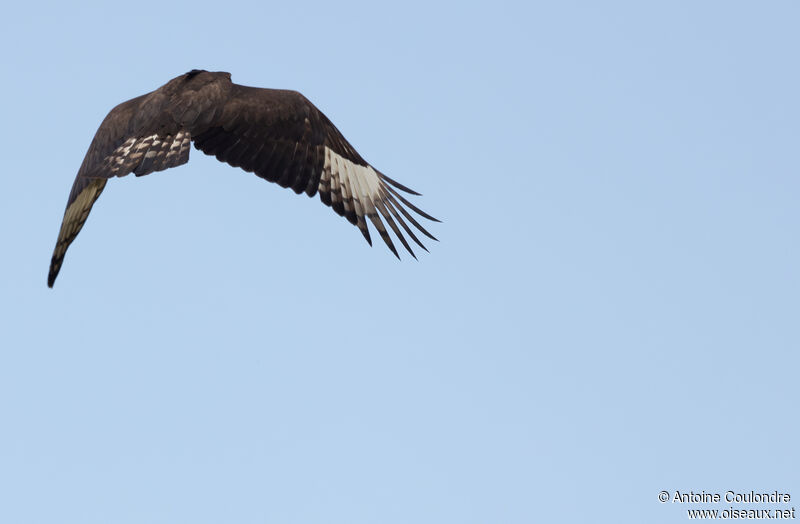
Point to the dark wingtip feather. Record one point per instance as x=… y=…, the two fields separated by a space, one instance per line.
x=412 y=206
x=391 y=208
x=365 y=232
x=383 y=233
x=398 y=185
x=51 y=276
x=382 y=208
x=408 y=216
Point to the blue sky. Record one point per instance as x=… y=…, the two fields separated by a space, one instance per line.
x=611 y=311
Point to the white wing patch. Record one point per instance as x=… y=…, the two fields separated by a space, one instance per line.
x=365 y=178
x=359 y=191
x=359 y=182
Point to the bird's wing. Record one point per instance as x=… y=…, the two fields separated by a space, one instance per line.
x=282 y=137
x=131 y=139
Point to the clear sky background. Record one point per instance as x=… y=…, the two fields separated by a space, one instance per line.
x=612 y=310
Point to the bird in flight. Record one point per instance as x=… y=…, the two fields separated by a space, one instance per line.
x=277 y=134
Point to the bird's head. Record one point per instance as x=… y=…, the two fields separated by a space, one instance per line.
x=202 y=74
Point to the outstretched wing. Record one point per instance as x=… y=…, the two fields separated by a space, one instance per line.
x=134 y=137
x=282 y=137
x=279 y=135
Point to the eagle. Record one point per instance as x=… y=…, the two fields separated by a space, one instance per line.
x=277 y=134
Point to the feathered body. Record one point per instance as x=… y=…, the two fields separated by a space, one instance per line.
x=277 y=134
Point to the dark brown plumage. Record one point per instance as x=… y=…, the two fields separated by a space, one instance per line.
x=278 y=135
